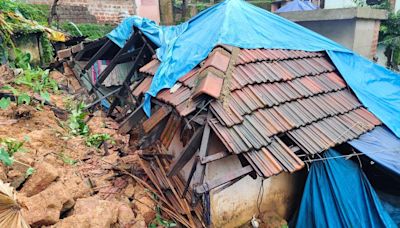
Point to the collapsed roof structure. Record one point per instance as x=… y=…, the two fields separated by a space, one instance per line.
x=265 y=104
x=261 y=99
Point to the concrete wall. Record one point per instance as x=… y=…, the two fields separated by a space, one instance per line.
x=149 y=9
x=103 y=11
x=354 y=28
x=334 y=4
x=339 y=31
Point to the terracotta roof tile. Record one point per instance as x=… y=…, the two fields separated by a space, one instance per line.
x=271 y=93
x=209 y=84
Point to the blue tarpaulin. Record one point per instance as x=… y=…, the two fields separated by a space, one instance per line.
x=297 y=5
x=338 y=194
x=238 y=23
x=381 y=146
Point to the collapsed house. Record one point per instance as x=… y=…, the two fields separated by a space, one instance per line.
x=259 y=112
x=227 y=140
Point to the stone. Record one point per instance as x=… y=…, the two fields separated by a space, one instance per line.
x=44 y=175
x=91 y=212
x=126 y=217
x=145 y=207
x=45 y=208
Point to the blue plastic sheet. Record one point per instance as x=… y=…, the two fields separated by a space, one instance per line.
x=297 y=5
x=391 y=203
x=381 y=146
x=238 y=23
x=338 y=194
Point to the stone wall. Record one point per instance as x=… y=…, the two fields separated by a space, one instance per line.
x=90 y=11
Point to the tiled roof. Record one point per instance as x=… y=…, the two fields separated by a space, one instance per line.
x=264 y=95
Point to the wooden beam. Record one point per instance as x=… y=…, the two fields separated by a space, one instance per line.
x=200 y=169
x=131 y=120
x=156 y=118
x=214 y=157
x=129 y=44
x=187 y=153
x=209 y=185
x=98 y=54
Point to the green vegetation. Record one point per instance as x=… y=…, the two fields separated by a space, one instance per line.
x=76 y=120
x=36 y=79
x=95 y=140
x=22 y=18
x=34 y=12
x=390 y=36
x=92 y=31
x=67 y=159
x=8 y=147
x=160 y=222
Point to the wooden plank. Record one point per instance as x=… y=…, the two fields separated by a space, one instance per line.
x=156 y=118
x=199 y=174
x=128 y=45
x=187 y=153
x=131 y=120
x=168 y=134
x=209 y=185
x=98 y=54
x=214 y=157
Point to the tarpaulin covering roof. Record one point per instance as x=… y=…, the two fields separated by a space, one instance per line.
x=263 y=93
x=381 y=146
x=338 y=194
x=240 y=24
x=297 y=5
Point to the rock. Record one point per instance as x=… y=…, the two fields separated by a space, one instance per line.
x=6 y=74
x=45 y=174
x=3 y=173
x=145 y=207
x=129 y=190
x=91 y=213
x=45 y=207
x=126 y=217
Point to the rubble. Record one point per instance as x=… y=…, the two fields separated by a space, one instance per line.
x=45 y=174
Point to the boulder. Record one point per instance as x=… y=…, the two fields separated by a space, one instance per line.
x=44 y=175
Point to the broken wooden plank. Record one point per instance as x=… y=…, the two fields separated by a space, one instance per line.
x=214 y=157
x=156 y=118
x=132 y=120
x=199 y=174
x=209 y=185
x=192 y=170
x=187 y=153
x=173 y=125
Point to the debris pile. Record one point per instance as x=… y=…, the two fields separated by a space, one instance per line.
x=64 y=179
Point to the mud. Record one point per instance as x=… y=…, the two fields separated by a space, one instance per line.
x=74 y=185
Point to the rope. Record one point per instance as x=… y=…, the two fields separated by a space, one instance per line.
x=260 y=196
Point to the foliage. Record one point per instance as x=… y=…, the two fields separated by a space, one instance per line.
x=13 y=19
x=48 y=50
x=13 y=146
x=390 y=35
x=159 y=221
x=5 y=102
x=7 y=150
x=35 y=12
x=96 y=140
x=76 y=120
x=67 y=159
x=92 y=31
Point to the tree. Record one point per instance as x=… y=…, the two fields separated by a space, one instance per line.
x=389 y=35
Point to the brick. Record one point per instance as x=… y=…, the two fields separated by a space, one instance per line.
x=62 y=54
